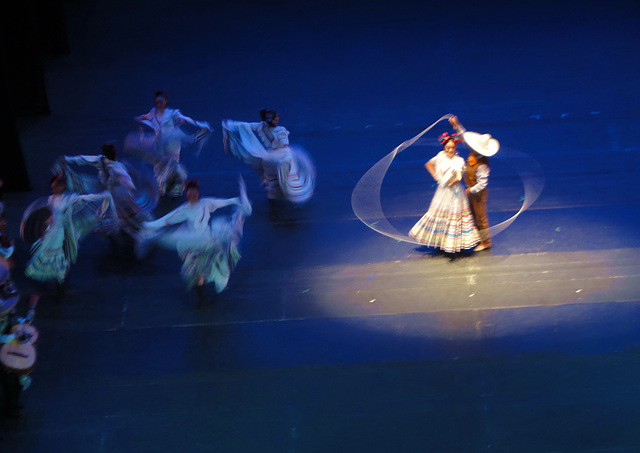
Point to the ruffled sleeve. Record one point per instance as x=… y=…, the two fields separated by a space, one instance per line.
x=280 y=137
x=458 y=164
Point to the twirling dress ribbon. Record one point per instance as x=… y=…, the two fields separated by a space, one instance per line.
x=365 y=198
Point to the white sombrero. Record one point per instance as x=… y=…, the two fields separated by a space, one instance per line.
x=481 y=143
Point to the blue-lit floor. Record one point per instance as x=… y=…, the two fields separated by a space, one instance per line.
x=330 y=336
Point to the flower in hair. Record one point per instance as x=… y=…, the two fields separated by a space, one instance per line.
x=445 y=137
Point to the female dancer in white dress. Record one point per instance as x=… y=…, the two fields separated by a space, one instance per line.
x=207 y=246
x=71 y=218
x=162 y=148
x=448 y=224
x=133 y=201
x=287 y=172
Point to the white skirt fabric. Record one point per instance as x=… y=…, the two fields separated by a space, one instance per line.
x=287 y=173
x=448 y=224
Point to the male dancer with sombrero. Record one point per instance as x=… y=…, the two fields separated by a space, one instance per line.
x=477 y=177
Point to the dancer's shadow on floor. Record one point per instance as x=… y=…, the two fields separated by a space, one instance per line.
x=287 y=215
x=431 y=252
x=286 y=223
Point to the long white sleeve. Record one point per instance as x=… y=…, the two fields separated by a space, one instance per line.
x=482 y=179
x=178 y=215
x=84 y=160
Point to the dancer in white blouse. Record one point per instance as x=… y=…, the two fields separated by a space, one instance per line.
x=448 y=224
x=163 y=147
x=287 y=172
x=207 y=246
x=133 y=202
x=71 y=218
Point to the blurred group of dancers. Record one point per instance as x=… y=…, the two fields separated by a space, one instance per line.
x=118 y=201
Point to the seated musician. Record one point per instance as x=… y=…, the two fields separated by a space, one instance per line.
x=11 y=383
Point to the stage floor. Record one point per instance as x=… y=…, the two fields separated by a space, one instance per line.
x=330 y=336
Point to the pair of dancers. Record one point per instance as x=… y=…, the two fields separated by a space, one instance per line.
x=286 y=172
x=208 y=247
x=457 y=218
